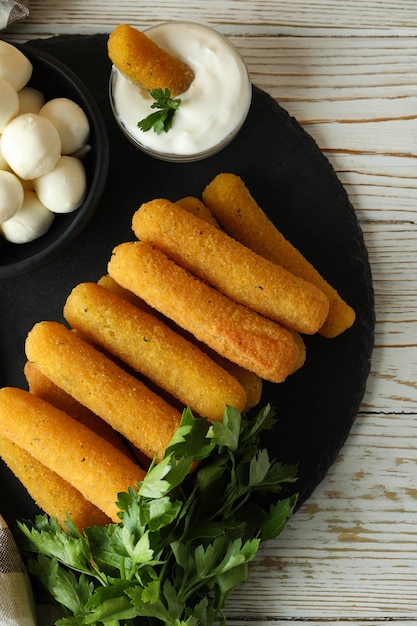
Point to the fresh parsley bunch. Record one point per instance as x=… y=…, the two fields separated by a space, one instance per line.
x=185 y=537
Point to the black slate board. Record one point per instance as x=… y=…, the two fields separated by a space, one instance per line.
x=295 y=184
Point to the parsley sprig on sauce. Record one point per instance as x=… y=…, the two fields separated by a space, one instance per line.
x=185 y=538
x=161 y=120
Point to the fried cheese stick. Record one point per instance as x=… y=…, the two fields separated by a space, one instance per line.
x=41 y=386
x=235 y=332
x=98 y=383
x=81 y=457
x=153 y=349
x=231 y=267
x=55 y=496
x=143 y=62
x=109 y=283
x=253 y=387
x=238 y=212
x=250 y=382
x=197 y=207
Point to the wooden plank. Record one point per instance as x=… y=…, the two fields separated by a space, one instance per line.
x=348 y=73
x=349 y=553
x=387 y=195
x=262 y=17
x=393 y=255
x=357 y=97
x=288 y=621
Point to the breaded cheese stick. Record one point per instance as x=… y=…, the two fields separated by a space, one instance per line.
x=153 y=349
x=109 y=283
x=238 y=212
x=231 y=267
x=81 y=457
x=302 y=353
x=98 y=383
x=141 y=60
x=197 y=207
x=251 y=383
x=41 y=386
x=252 y=387
x=232 y=330
x=55 y=496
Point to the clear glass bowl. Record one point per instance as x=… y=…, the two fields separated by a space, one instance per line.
x=213 y=109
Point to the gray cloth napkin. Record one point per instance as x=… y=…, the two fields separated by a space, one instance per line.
x=16 y=599
x=13 y=11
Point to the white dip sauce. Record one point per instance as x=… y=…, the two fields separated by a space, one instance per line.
x=212 y=109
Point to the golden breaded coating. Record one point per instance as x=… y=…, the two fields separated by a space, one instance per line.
x=232 y=330
x=41 y=386
x=153 y=349
x=109 y=283
x=81 y=457
x=238 y=212
x=251 y=383
x=231 y=267
x=196 y=207
x=302 y=353
x=98 y=383
x=143 y=62
x=55 y=496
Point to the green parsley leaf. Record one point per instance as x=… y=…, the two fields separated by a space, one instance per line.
x=186 y=535
x=161 y=120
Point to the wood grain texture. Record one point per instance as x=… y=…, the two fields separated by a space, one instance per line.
x=348 y=73
x=241 y=17
x=350 y=552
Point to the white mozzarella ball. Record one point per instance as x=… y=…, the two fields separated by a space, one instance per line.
x=14 y=65
x=31 y=100
x=63 y=188
x=11 y=195
x=31 y=222
x=31 y=145
x=70 y=121
x=9 y=103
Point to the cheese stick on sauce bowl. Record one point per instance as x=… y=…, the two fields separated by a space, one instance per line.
x=145 y=63
x=213 y=107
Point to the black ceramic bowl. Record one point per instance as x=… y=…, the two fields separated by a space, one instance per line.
x=55 y=80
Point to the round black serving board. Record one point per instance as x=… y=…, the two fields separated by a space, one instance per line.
x=296 y=186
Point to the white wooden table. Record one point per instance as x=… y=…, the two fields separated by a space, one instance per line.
x=348 y=72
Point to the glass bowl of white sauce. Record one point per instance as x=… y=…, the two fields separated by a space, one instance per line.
x=212 y=110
